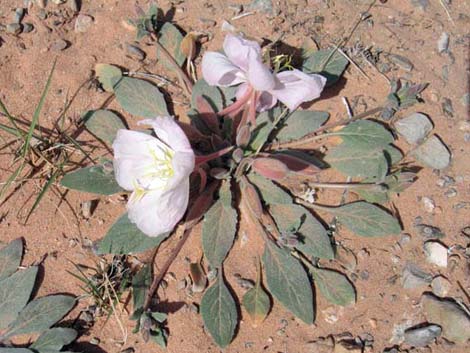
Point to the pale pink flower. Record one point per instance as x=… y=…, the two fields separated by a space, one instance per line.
x=243 y=64
x=156 y=170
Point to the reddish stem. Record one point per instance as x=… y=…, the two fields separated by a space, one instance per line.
x=209 y=157
x=238 y=104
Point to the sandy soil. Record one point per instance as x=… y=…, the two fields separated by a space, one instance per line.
x=397 y=26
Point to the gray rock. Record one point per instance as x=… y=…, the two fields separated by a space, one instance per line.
x=440 y=286
x=436 y=253
x=422 y=336
x=414 y=128
x=414 y=277
x=421 y=4
x=449 y=315
x=265 y=6
x=14 y=28
x=135 y=52
x=83 y=23
x=28 y=27
x=433 y=153
x=59 y=45
x=401 y=61
x=74 y=5
x=443 y=43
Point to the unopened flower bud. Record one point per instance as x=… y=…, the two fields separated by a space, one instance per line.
x=251 y=198
x=237 y=155
x=243 y=136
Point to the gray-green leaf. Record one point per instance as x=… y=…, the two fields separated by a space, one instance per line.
x=97 y=179
x=301 y=123
x=370 y=134
x=288 y=282
x=328 y=64
x=104 y=124
x=14 y=294
x=15 y=350
x=219 y=312
x=108 y=76
x=40 y=314
x=264 y=127
x=170 y=38
x=314 y=240
x=140 y=98
x=10 y=258
x=257 y=303
x=219 y=228
x=124 y=238
x=54 y=339
x=356 y=160
x=211 y=94
x=335 y=286
x=270 y=193
x=366 y=219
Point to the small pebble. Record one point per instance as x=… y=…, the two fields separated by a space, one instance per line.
x=436 y=253
x=405 y=239
x=59 y=45
x=430 y=232
x=414 y=277
x=447 y=107
x=42 y=14
x=465 y=100
x=208 y=23
x=74 y=5
x=422 y=336
x=452 y=192
x=445 y=181
x=443 y=43
x=128 y=350
x=14 y=28
x=83 y=23
x=19 y=14
x=28 y=27
x=440 y=286
x=95 y=341
x=181 y=284
x=135 y=52
x=429 y=204
x=401 y=61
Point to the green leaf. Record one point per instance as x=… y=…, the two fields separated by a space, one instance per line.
x=290 y=217
x=369 y=134
x=392 y=154
x=288 y=282
x=98 y=179
x=104 y=124
x=170 y=38
x=356 y=160
x=219 y=312
x=335 y=286
x=10 y=258
x=212 y=94
x=140 y=284
x=54 y=339
x=373 y=196
x=301 y=123
x=219 y=228
x=159 y=336
x=257 y=302
x=124 y=238
x=14 y=294
x=264 y=127
x=40 y=314
x=313 y=236
x=108 y=76
x=326 y=63
x=366 y=219
x=270 y=193
x=140 y=98
x=15 y=350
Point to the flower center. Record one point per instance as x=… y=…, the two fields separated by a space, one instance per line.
x=156 y=172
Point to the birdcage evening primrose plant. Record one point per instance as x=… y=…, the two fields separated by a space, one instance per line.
x=250 y=155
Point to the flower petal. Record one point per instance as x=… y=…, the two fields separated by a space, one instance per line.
x=131 y=156
x=259 y=75
x=266 y=101
x=168 y=130
x=217 y=70
x=157 y=213
x=238 y=50
x=296 y=87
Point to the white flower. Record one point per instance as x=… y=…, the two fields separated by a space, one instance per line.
x=156 y=170
x=243 y=64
